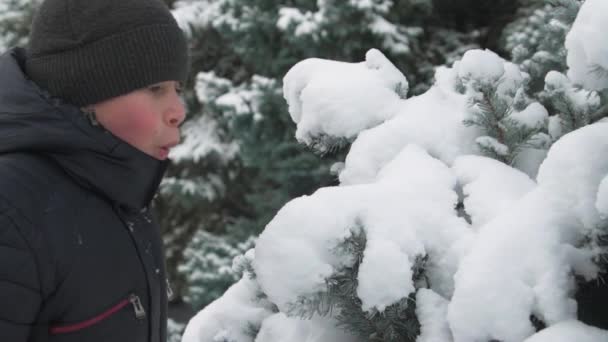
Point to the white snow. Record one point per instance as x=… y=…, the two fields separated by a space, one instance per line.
x=375 y=17
x=431 y=310
x=521 y=263
x=481 y=65
x=196 y=14
x=570 y=331
x=587 y=52
x=341 y=99
x=306 y=23
x=533 y=116
x=601 y=204
x=209 y=86
x=485 y=282
x=432 y=120
x=583 y=101
x=396 y=38
x=279 y=327
x=555 y=127
x=503 y=242
x=573 y=170
x=395 y=280
x=201 y=139
x=505 y=277
x=493 y=145
x=226 y=319
x=426 y=223
x=490 y=187
x=381 y=6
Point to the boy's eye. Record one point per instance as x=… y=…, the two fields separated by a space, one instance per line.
x=155 y=88
x=159 y=88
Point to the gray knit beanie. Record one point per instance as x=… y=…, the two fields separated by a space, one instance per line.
x=87 y=51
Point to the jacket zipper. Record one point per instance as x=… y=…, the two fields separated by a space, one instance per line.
x=140 y=313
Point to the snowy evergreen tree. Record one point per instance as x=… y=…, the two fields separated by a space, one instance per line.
x=514 y=125
x=15 y=19
x=239 y=163
x=536 y=39
x=174 y=331
x=211 y=259
x=450 y=222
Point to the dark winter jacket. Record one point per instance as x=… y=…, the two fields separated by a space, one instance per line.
x=80 y=256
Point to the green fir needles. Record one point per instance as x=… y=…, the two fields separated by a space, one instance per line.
x=397 y=323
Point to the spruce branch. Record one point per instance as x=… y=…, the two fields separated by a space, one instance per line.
x=598 y=71
x=571 y=119
x=599 y=114
x=325 y=144
x=339 y=299
x=601 y=241
x=505 y=137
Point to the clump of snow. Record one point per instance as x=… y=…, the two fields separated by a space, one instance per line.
x=497 y=91
x=484 y=69
x=587 y=51
x=601 y=204
x=522 y=263
x=227 y=318
x=489 y=186
x=515 y=268
x=493 y=144
x=583 y=102
x=533 y=116
x=570 y=331
x=432 y=120
x=342 y=99
x=407 y=210
x=509 y=251
x=280 y=327
x=554 y=127
x=431 y=310
x=482 y=65
x=375 y=257
x=529 y=159
x=581 y=98
x=574 y=172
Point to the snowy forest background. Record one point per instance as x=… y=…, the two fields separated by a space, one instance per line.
x=460 y=156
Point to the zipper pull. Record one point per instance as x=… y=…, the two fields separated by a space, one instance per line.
x=170 y=293
x=140 y=312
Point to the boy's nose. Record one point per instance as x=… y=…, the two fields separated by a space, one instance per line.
x=177 y=112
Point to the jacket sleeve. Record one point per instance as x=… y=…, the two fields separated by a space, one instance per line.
x=20 y=295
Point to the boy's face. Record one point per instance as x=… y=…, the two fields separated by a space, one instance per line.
x=147 y=119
